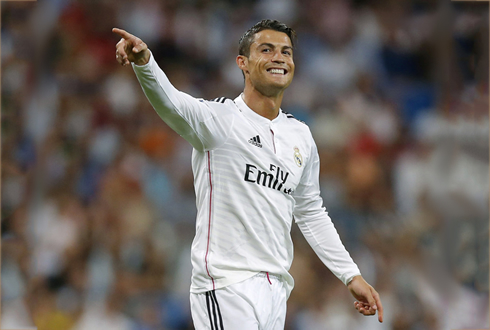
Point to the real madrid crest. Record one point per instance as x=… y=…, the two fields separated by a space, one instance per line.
x=297 y=157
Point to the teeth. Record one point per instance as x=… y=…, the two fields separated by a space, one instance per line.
x=281 y=71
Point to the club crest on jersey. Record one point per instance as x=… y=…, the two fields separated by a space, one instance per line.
x=297 y=157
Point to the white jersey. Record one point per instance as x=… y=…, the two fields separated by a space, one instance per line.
x=252 y=176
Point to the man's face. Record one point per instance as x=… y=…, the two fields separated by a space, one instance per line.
x=270 y=65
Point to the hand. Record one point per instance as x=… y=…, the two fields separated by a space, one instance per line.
x=368 y=301
x=131 y=49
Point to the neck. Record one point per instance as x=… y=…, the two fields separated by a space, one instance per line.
x=266 y=106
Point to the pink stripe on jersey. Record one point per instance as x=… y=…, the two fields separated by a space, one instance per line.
x=209 y=223
x=268 y=278
x=273 y=142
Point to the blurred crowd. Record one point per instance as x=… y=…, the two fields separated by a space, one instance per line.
x=98 y=208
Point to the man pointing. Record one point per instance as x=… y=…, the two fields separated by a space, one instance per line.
x=255 y=169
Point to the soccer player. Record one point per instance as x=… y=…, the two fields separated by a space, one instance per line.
x=256 y=168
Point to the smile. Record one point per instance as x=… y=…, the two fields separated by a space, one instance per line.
x=277 y=71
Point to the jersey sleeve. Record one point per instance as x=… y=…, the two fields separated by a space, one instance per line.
x=316 y=225
x=204 y=124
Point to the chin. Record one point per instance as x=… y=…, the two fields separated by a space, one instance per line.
x=271 y=87
x=272 y=90
x=281 y=85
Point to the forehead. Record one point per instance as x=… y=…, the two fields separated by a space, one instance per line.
x=272 y=37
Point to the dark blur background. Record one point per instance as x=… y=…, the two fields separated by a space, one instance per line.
x=97 y=192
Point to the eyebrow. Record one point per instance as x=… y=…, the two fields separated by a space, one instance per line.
x=272 y=46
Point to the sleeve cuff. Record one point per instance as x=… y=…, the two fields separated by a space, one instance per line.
x=144 y=66
x=350 y=278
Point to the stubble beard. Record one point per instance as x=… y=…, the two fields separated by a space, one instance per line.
x=269 y=89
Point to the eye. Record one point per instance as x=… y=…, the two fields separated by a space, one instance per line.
x=287 y=52
x=266 y=50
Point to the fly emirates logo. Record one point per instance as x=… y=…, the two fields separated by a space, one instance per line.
x=275 y=179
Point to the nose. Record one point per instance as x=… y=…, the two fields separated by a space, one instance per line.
x=278 y=57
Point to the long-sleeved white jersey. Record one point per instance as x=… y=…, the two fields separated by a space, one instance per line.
x=252 y=176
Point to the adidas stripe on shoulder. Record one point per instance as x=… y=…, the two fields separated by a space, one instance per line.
x=288 y=115
x=221 y=99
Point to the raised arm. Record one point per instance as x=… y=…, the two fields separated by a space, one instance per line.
x=204 y=124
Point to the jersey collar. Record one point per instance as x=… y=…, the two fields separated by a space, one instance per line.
x=252 y=115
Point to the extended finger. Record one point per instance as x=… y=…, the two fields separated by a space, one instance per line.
x=122 y=33
x=380 y=306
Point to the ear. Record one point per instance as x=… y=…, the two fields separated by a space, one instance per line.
x=242 y=62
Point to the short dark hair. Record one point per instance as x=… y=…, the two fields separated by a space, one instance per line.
x=266 y=24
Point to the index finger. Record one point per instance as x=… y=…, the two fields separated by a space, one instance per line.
x=379 y=305
x=122 y=33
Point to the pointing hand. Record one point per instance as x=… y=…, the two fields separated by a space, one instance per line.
x=131 y=49
x=368 y=301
